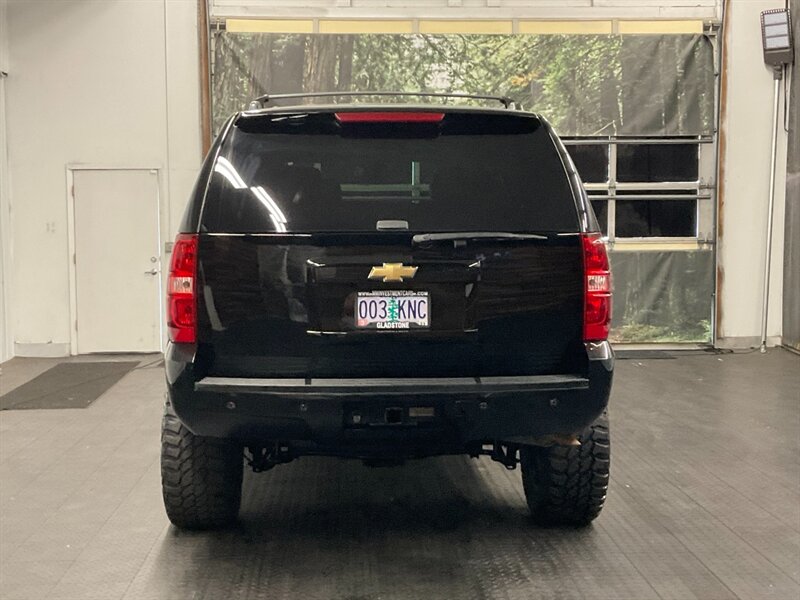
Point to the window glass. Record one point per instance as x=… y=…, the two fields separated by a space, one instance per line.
x=601 y=212
x=657 y=162
x=306 y=172
x=591 y=160
x=656 y=218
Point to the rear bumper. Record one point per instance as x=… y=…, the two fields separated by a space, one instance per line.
x=440 y=414
x=362 y=388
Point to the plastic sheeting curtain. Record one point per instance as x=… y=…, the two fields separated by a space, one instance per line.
x=662 y=296
x=634 y=85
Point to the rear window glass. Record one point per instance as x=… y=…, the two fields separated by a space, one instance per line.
x=308 y=173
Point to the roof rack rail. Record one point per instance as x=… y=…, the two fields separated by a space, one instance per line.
x=262 y=101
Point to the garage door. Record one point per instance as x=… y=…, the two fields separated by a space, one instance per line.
x=636 y=110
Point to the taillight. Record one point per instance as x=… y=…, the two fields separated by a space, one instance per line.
x=182 y=290
x=597 y=288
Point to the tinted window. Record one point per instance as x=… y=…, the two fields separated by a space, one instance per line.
x=601 y=212
x=657 y=162
x=656 y=218
x=469 y=172
x=591 y=160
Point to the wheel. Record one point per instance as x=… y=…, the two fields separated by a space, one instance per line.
x=201 y=478
x=566 y=485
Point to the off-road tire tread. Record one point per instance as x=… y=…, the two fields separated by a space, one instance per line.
x=201 y=478
x=567 y=485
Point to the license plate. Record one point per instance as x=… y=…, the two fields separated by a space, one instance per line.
x=392 y=310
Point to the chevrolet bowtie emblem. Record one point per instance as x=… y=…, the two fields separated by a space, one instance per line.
x=392 y=272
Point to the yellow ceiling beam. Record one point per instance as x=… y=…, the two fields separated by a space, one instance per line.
x=269 y=25
x=492 y=27
x=431 y=26
x=566 y=27
x=364 y=26
x=659 y=27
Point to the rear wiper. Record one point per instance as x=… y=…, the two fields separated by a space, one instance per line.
x=475 y=235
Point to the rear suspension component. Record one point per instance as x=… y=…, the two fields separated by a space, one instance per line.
x=261 y=458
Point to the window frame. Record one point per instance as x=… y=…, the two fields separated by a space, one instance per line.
x=703 y=188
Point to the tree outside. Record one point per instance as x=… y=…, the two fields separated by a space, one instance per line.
x=585 y=84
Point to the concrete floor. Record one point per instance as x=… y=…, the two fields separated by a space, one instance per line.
x=704 y=503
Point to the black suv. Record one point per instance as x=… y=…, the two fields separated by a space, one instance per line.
x=387 y=282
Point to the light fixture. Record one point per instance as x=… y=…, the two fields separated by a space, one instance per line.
x=776 y=37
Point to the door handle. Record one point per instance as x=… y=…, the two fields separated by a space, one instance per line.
x=152 y=271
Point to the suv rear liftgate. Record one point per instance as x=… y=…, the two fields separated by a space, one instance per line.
x=387 y=282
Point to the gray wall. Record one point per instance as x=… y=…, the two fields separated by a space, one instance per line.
x=110 y=84
x=791 y=263
x=744 y=185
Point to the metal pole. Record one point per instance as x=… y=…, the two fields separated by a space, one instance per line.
x=778 y=74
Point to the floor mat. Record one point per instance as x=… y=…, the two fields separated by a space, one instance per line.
x=67 y=385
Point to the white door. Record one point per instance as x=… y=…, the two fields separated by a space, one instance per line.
x=117 y=261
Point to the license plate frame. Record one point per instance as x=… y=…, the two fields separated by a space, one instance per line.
x=394 y=310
